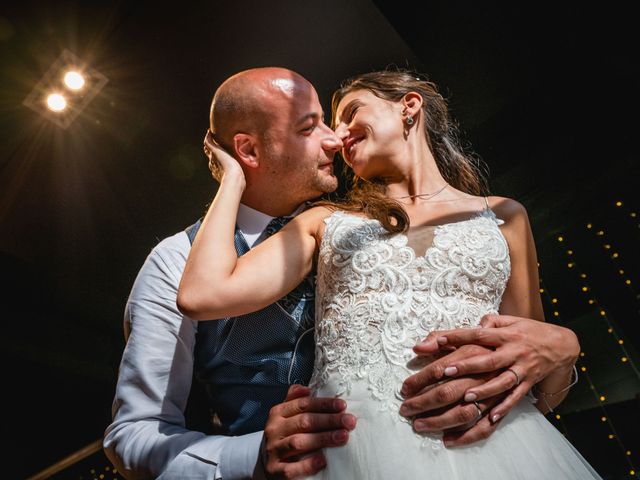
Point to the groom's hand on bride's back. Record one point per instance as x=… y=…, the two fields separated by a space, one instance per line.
x=436 y=402
x=298 y=429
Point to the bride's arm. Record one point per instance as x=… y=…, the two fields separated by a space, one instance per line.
x=216 y=283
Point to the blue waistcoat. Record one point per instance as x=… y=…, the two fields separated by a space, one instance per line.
x=247 y=363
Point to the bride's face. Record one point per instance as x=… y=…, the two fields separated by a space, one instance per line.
x=371 y=130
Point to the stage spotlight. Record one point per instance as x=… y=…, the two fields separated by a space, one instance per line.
x=74 y=80
x=68 y=73
x=56 y=102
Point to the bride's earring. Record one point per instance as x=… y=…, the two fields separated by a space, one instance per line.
x=409 y=120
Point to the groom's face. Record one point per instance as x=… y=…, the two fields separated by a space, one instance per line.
x=300 y=146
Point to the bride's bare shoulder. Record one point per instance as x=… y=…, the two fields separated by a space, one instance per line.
x=507 y=208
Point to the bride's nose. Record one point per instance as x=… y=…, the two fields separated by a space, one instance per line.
x=342 y=131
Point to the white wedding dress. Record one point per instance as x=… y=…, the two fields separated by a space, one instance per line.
x=377 y=295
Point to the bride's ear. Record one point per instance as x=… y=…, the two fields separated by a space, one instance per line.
x=412 y=103
x=245 y=148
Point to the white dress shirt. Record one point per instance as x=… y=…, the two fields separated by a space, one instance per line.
x=148 y=438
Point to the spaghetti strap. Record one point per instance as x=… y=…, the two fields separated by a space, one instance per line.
x=486 y=202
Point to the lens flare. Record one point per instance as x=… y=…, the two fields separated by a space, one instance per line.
x=74 y=80
x=56 y=102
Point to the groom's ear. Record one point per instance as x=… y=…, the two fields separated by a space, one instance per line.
x=244 y=146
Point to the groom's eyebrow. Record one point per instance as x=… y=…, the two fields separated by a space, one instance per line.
x=313 y=116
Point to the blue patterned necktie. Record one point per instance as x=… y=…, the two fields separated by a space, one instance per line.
x=274 y=225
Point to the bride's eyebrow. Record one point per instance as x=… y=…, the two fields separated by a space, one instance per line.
x=346 y=111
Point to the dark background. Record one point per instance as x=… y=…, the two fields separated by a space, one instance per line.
x=547 y=95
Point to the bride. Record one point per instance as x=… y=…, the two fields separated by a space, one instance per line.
x=415 y=248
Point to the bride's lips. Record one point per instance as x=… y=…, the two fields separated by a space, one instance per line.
x=349 y=146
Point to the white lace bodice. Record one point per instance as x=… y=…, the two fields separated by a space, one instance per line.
x=376 y=297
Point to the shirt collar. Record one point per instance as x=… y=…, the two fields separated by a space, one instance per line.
x=251 y=222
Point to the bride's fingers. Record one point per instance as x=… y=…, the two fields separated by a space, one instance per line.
x=434 y=372
x=207 y=143
x=487 y=362
x=497 y=385
x=499 y=411
x=219 y=158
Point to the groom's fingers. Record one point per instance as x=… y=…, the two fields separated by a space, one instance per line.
x=299 y=401
x=301 y=413
x=305 y=443
x=480 y=431
x=302 y=468
x=314 y=423
x=299 y=428
x=459 y=417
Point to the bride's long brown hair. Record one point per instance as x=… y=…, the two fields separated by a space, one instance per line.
x=460 y=169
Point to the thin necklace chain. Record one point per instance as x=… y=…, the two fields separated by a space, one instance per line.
x=423 y=195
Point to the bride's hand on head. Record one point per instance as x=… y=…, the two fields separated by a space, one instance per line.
x=221 y=163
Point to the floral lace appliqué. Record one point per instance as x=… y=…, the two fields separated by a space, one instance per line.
x=376 y=297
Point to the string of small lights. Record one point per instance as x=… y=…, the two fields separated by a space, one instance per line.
x=628 y=213
x=625 y=357
x=599 y=396
x=614 y=256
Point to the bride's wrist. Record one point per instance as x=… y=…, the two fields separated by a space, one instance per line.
x=234 y=179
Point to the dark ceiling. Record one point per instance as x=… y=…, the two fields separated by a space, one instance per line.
x=546 y=95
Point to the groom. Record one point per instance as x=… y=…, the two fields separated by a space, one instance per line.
x=262 y=425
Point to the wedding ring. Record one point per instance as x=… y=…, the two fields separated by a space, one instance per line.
x=480 y=412
x=515 y=374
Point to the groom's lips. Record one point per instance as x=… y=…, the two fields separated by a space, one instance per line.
x=326 y=165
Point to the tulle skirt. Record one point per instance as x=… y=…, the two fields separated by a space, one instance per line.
x=525 y=446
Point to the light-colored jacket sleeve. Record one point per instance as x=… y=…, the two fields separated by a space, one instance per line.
x=147 y=437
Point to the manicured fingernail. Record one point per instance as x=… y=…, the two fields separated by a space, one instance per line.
x=404 y=391
x=339 y=404
x=449 y=443
x=427 y=344
x=319 y=462
x=449 y=371
x=442 y=340
x=470 y=397
x=495 y=418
